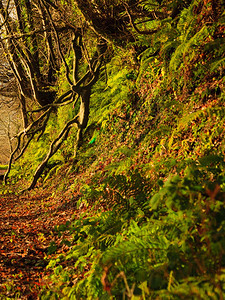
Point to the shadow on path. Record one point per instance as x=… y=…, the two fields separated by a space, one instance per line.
x=26 y=230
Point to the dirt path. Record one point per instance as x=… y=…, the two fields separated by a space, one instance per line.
x=26 y=229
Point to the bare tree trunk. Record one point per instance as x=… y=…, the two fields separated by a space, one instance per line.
x=83 y=118
x=24 y=111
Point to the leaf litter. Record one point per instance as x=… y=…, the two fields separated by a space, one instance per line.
x=26 y=232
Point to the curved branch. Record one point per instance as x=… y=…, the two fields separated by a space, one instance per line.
x=25 y=132
x=11 y=156
x=55 y=145
x=58 y=44
x=5 y=14
x=25 y=146
x=58 y=102
x=145 y=32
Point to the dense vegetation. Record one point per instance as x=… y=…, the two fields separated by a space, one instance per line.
x=150 y=168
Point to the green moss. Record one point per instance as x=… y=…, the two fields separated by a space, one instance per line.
x=3 y=167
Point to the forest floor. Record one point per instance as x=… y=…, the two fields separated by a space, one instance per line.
x=27 y=225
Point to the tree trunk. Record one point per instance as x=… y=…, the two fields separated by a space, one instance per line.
x=83 y=117
x=24 y=111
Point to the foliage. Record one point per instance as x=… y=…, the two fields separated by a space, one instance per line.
x=163 y=236
x=148 y=186
x=3 y=167
x=172 y=252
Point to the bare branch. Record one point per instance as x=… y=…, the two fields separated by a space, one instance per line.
x=58 y=44
x=55 y=145
x=5 y=14
x=77 y=46
x=26 y=132
x=146 y=32
x=62 y=100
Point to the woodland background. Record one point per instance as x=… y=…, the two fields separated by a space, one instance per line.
x=115 y=184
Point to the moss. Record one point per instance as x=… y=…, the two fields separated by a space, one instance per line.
x=3 y=167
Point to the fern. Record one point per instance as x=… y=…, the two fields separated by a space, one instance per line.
x=149 y=5
x=218 y=65
x=139 y=241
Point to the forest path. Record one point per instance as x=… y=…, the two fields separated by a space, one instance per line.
x=26 y=230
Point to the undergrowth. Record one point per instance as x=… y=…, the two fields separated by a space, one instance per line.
x=163 y=244
x=150 y=171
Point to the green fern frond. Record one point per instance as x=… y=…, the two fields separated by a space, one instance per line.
x=149 y=5
x=187 y=119
x=138 y=240
x=218 y=65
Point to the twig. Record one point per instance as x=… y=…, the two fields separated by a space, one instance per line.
x=146 y=32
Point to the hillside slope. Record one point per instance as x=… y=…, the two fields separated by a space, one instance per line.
x=149 y=176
